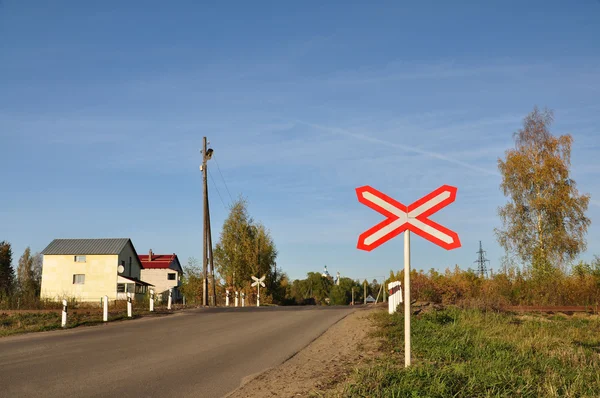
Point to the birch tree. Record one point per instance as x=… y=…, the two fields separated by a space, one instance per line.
x=544 y=222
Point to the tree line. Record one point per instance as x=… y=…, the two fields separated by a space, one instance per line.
x=22 y=288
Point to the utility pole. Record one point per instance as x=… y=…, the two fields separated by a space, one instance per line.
x=384 y=290
x=210 y=255
x=352 y=295
x=481 y=262
x=365 y=295
x=206 y=155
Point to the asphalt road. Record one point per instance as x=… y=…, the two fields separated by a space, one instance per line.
x=196 y=353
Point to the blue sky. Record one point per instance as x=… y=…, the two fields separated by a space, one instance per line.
x=103 y=106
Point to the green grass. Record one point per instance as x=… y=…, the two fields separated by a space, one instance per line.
x=475 y=354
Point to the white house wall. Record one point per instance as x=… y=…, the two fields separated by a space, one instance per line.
x=100 y=277
x=158 y=278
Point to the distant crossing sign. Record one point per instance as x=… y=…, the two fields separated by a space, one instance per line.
x=258 y=282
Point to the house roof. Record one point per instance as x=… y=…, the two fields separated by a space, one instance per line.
x=86 y=246
x=159 y=261
x=137 y=281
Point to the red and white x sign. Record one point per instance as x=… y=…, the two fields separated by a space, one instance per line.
x=413 y=218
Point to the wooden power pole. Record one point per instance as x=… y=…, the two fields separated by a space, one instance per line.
x=210 y=256
x=205 y=157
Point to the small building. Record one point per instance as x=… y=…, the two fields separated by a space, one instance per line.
x=88 y=269
x=164 y=272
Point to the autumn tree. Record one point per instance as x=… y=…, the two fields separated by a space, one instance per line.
x=191 y=282
x=28 y=275
x=544 y=222
x=7 y=274
x=245 y=248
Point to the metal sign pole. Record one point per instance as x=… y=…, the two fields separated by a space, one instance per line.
x=407 y=298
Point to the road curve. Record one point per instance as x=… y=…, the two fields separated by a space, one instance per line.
x=196 y=353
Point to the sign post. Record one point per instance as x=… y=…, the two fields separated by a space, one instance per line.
x=259 y=283
x=401 y=218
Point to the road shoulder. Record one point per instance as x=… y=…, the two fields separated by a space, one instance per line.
x=321 y=366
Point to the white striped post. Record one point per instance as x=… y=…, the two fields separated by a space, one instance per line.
x=105 y=310
x=151 y=300
x=64 y=314
x=129 y=309
x=170 y=299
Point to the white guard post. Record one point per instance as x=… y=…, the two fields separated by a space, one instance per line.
x=237 y=298
x=151 y=300
x=170 y=299
x=129 y=309
x=105 y=311
x=395 y=296
x=243 y=299
x=64 y=314
x=226 y=298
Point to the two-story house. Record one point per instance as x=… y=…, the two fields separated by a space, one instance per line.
x=88 y=269
x=164 y=272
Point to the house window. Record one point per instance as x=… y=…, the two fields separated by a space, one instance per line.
x=140 y=288
x=78 y=279
x=120 y=288
x=80 y=259
x=171 y=277
x=130 y=288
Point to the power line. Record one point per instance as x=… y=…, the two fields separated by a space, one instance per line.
x=226 y=187
x=481 y=262
x=215 y=185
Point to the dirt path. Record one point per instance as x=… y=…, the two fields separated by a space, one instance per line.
x=322 y=365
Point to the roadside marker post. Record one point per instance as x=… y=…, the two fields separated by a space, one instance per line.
x=129 y=309
x=105 y=310
x=170 y=302
x=395 y=298
x=226 y=298
x=151 y=300
x=258 y=282
x=63 y=322
x=237 y=298
x=412 y=218
x=243 y=299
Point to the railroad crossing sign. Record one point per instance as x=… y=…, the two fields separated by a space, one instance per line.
x=258 y=282
x=401 y=218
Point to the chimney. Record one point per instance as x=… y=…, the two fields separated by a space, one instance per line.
x=150 y=255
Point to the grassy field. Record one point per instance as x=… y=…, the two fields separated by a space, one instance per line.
x=17 y=322
x=11 y=324
x=469 y=353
